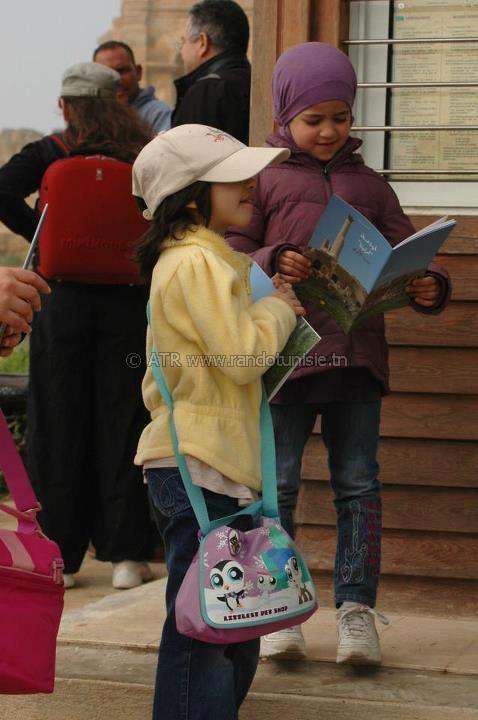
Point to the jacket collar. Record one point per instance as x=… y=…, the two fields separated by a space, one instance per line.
x=347 y=154
x=210 y=240
x=144 y=96
x=226 y=60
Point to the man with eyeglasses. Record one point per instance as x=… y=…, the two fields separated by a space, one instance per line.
x=216 y=89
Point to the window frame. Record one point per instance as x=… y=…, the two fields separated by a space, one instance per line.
x=370 y=19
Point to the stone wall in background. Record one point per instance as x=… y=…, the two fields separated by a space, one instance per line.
x=152 y=28
x=11 y=141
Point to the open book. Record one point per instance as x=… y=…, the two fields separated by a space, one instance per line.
x=355 y=271
x=300 y=342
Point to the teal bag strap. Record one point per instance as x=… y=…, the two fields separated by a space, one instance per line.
x=268 y=505
x=194 y=492
x=268 y=460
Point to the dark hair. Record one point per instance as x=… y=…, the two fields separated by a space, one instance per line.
x=105 y=125
x=172 y=219
x=224 y=22
x=113 y=45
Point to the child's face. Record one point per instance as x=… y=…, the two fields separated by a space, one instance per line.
x=231 y=204
x=322 y=129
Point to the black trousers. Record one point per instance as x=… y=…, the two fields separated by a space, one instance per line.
x=85 y=414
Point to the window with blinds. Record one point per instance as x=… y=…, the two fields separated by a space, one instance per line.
x=417 y=103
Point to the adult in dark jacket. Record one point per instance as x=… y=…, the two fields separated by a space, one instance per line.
x=314 y=88
x=85 y=411
x=216 y=89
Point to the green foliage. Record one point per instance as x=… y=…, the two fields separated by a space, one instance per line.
x=18 y=361
x=11 y=260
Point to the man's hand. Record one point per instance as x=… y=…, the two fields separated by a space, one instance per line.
x=424 y=291
x=20 y=297
x=11 y=338
x=293 y=266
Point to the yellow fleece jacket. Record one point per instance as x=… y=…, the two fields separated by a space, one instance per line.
x=208 y=336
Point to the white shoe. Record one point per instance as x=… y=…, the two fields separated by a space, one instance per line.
x=283 y=643
x=68 y=581
x=129 y=574
x=358 y=640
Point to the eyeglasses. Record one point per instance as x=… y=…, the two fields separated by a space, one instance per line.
x=178 y=45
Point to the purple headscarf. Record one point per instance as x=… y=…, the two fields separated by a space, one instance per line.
x=309 y=74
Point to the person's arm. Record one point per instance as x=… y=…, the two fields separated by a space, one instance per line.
x=203 y=302
x=20 y=177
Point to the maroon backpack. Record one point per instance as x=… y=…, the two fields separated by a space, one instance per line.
x=93 y=222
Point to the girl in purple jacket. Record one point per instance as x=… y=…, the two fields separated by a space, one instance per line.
x=314 y=87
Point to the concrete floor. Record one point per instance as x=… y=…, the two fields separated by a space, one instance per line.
x=107 y=655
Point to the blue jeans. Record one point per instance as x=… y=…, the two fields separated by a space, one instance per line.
x=350 y=432
x=194 y=680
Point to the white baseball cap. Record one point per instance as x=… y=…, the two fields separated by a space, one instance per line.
x=188 y=153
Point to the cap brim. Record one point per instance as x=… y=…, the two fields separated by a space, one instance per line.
x=244 y=164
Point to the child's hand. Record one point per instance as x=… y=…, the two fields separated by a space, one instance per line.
x=10 y=339
x=293 y=266
x=424 y=291
x=284 y=292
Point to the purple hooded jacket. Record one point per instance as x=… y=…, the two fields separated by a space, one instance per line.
x=290 y=198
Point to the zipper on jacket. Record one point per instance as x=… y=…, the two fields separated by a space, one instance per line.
x=328 y=181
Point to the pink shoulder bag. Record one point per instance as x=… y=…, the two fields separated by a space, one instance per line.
x=31 y=586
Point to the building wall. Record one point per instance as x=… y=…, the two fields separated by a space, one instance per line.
x=13 y=247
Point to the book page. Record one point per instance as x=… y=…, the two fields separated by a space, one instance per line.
x=301 y=341
x=433 y=62
x=349 y=252
x=414 y=256
x=436 y=224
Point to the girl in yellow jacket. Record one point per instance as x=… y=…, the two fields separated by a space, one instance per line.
x=211 y=340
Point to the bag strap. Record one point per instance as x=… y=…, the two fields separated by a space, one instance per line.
x=59 y=140
x=268 y=506
x=14 y=471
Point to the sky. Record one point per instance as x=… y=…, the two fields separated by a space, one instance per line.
x=39 y=39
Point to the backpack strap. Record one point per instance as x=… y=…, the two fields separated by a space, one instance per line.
x=60 y=141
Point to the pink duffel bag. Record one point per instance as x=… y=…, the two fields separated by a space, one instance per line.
x=31 y=586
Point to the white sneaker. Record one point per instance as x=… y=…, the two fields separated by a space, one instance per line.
x=283 y=643
x=68 y=581
x=129 y=574
x=358 y=640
